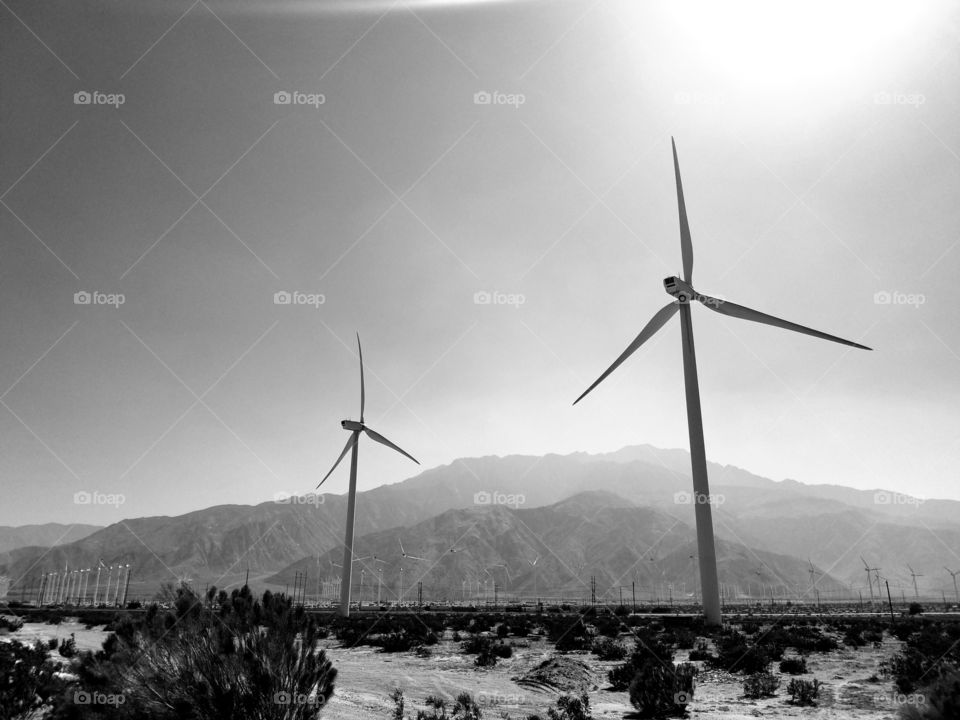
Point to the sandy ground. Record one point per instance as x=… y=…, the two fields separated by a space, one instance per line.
x=366 y=679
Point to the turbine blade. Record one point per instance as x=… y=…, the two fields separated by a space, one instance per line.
x=656 y=322
x=363 y=390
x=686 y=246
x=730 y=309
x=374 y=435
x=351 y=441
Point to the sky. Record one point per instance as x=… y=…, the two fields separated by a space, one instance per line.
x=484 y=192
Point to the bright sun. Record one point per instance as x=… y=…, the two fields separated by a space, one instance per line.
x=759 y=44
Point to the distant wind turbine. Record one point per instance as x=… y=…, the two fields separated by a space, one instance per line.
x=404 y=554
x=683 y=292
x=953 y=574
x=355 y=429
x=914 y=576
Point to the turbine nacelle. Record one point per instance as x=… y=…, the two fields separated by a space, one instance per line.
x=351 y=425
x=682 y=291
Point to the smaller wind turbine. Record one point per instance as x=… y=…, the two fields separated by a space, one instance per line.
x=353 y=443
x=869 y=570
x=914 y=576
x=953 y=574
x=812 y=573
x=403 y=552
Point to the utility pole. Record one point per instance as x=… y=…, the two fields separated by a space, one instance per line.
x=889 y=601
x=420 y=594
x=633 y=586
x=126 y=588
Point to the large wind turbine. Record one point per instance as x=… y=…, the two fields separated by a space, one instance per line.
x=355 y=429
x=683 y=292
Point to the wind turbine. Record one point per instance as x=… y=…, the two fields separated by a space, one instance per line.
x=812 y=573
x=533 y=565
x=953 y=574
x=868 y=570
x=404 y=554
x=355 y=429
x=914 y=576
x=683 y=292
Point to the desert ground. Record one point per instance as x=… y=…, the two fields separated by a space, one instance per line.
x=367 y=678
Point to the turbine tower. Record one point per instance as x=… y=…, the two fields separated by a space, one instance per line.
x=953 y=574
x=914 y=576
x=683 y=292
x=355 y=428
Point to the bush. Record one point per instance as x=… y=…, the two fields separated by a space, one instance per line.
x=464 y=708
x=569 y=708
x=28 y=681
x=941 y=698
x=660 y=691
x=761 y=685
x=803 y=692
x=68 y=648
x=794 y=666
x=10 y=623
x=701 y=651
x=736 y=654
x=607 y=649
x=247 y=661
x=915 y=608
x=649 y=650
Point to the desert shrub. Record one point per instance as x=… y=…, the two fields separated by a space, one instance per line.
x=607 y=649
x=659 y=691
x=503 y=630
x=27 y=680
x=569 y=708
x=794 y=666
x=803 y=692
x=941 y=698
x=10 y=623
x=463 y=708
x=701 y=651
x=737 y=654
x=650 y=650
x=53 y=643
x=761 y=685
x=486 y=650
x=68 y=648
x=194 y=662
x=684 y=639
x=933 y=645
x=915 y=608
x=567 y=637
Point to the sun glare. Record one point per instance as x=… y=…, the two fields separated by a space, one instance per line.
x=761 y=44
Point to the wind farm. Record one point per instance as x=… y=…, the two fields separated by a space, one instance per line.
x=205 y=207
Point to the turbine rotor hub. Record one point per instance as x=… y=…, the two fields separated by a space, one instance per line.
x=682 y=291
x=351 y=425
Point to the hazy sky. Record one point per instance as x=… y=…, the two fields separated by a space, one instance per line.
x=819 y=147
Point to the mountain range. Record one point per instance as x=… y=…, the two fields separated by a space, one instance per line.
x=623 y=517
